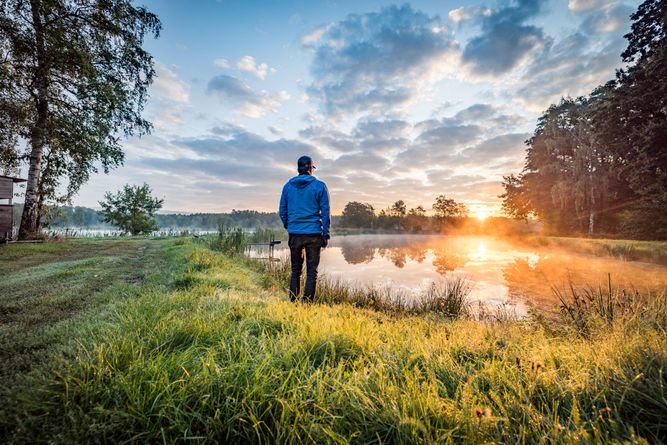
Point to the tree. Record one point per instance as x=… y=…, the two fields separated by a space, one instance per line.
x=416 y=219
x=132 y=209
x=597 y=163
x=73 y=82
x=516 y=202
x=357 y=214
x=398 y=209
x=448 y=208
x=633 y=120
x=568 y=180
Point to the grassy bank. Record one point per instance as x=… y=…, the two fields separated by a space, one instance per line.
x=204 y=348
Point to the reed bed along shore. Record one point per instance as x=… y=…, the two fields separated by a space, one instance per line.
x=207 y=349
x=448 y=298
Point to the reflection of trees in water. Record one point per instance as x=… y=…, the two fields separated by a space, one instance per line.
x=357 y=253
x=400 y=252
x=535 y=280
x=399 y=255
x=528 y=281
x=446 y=261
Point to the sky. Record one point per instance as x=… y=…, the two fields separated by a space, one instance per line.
x=392 y=100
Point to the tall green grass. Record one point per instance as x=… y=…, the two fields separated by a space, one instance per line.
x=592 y=309
x=449 y=298
x=226 y=360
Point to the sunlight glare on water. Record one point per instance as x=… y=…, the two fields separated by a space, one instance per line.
x=501 y=272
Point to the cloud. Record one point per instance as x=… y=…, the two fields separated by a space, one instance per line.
x=169 y=99
x=464 y=13
x=587 y=5
x=476 y=112
x=221 y=173
x=314 y=35
x=607 y=20
x=227 y=129
x=374 y=62
x=169 y=86
x=481 y=137
x=248 y=64
x=505 y=40
x=510 y=145
x=222 y=63
x=248 y=102
x=277 y=131
x=576 y=63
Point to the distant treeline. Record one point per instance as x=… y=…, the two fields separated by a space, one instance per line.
x=448 y=216
x=356 y=217
x=84 y=217
x=597 y=165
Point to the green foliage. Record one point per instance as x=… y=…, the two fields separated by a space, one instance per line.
x=597 y=164
x=132 y=209
x=357 y=214
x=448 y=208
x=74 y=82
x=230 y=241
x=448 y=298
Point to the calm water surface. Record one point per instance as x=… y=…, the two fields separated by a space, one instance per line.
x=500 y=272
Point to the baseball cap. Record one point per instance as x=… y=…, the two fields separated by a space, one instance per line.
x=305 y=162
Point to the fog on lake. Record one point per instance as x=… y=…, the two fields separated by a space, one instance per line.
x=500 y=271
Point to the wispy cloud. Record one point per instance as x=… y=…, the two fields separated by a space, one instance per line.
x=170 y=97
x=249 y=65
x=243 y=98
x=222 y=63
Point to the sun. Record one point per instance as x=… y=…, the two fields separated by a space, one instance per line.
x=481 y=214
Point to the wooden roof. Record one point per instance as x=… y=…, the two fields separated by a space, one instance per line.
x=14 y=179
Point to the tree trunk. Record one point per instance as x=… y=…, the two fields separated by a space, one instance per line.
x=591 y=223
x=591 y=210
x=30 y=218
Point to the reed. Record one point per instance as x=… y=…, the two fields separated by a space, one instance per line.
x=449 y=298
x=590 y=309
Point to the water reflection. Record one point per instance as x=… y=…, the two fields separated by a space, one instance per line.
x=500 y=271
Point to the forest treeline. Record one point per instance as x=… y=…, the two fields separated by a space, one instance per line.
x=597 y=165
x=83 y=217
x=447 y=216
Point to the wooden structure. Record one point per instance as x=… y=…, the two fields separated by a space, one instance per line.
x=271 y=245
x=7 y=209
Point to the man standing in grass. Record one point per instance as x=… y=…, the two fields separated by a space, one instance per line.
x=304 y=210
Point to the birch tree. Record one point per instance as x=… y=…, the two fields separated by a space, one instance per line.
x=73 y=83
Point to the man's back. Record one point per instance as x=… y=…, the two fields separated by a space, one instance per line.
x=304 y=206
x=304 y=210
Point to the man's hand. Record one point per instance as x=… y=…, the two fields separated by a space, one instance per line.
x=325 y=242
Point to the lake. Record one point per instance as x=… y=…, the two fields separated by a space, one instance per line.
x=501 y=272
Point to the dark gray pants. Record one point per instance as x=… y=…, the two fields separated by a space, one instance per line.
x=311 y=245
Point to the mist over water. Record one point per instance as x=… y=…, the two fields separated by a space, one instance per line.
x=501 y=271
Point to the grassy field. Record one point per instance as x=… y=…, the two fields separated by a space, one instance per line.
x=169 y=341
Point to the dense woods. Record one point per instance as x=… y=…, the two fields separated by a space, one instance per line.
x=597 y=165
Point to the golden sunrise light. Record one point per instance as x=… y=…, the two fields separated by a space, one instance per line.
x=409 y=220
x=481 y=213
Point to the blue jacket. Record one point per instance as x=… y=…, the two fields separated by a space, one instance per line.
x=304 y=206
